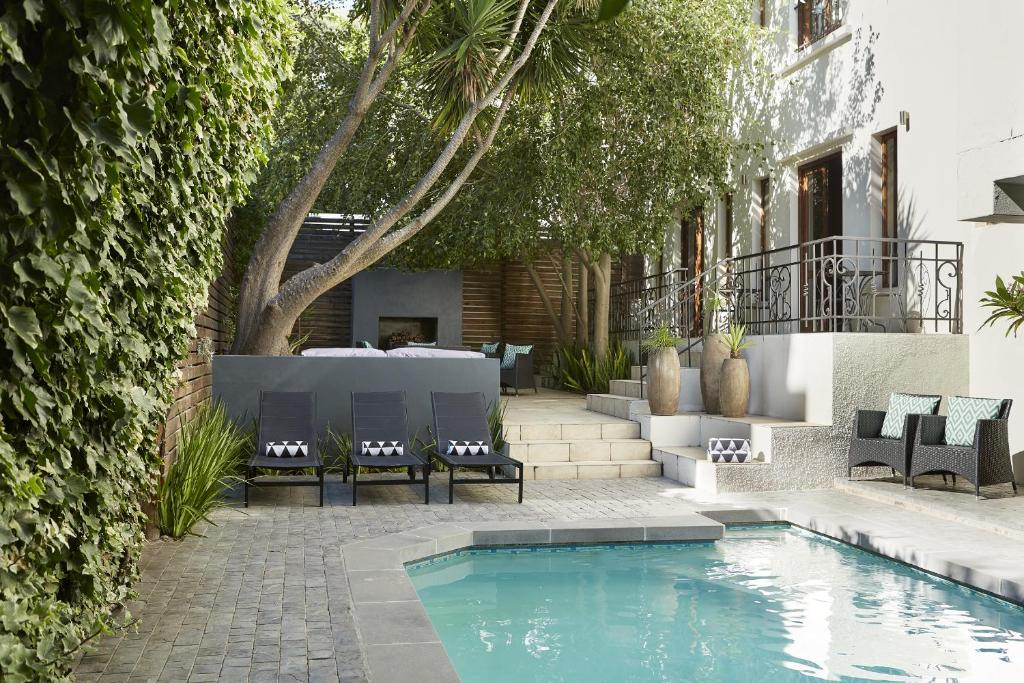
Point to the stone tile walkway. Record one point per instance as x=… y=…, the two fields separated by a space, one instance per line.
x=260 y=597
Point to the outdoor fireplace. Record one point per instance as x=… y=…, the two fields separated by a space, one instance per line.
x=397 y=331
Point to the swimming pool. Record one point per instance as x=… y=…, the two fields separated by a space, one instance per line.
x=763 y=604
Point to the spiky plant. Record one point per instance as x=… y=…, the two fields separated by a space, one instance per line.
x=1007 y=303
x=736 y=340
x=210 y=449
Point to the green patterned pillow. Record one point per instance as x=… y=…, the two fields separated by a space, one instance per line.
x=489 y=347
x=901 y=405
x=964 y=414
x=511 y=350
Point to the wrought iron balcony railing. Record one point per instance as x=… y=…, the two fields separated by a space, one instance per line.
x=837 y=284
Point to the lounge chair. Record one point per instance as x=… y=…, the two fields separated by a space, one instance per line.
x=984 y=463
x=463 y=418
x=380 y=420
x=869 y=448
x=286 y=416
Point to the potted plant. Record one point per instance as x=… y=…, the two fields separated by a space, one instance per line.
x=735 y=380
x=714 y=350
x=662 y=371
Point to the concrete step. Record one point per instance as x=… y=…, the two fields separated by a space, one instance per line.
x=689 y=389
x=690 y=466
x=592 y=469
x=638 y=372
x=574 y=450
x=610 y=429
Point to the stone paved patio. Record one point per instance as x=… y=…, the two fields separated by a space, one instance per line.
x=260 y=596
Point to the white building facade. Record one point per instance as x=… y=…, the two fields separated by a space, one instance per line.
x=899 y=122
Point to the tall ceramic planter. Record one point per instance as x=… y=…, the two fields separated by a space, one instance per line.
x=735 y=388
x=715 y=351
x=663 y=381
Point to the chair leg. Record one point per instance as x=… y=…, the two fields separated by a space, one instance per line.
x=321 y=486
x=355 y=483
x=911 y=481
x=954 y=479
x=344 y=473
x=1014 y=485
x=521 y=483
x=451 y=484
x=977 y=492
x=248 y=476
x=426 y=484
x=944 y=482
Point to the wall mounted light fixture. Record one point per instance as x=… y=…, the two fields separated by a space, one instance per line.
x=905 y=120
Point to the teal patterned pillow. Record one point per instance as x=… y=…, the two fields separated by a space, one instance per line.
x=901 y=405
x=489 y=347
x=509 y=360
x=964 y=414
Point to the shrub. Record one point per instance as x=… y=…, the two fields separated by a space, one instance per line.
x=210 y=450
x=581 y=372
x=129 y=130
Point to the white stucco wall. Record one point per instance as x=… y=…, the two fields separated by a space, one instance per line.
x=954 y=66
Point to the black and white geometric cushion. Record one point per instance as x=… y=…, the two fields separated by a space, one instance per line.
x=286 y=449
x=383 y=448
x=729 y=450
x=468 y=448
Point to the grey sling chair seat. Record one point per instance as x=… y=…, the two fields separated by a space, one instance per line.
x=382 y=416
x=463 y=417
x=286 y=416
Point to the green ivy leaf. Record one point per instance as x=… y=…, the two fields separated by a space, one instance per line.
x=25 y=324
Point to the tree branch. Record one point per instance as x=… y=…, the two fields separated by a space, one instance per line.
x=545 y=300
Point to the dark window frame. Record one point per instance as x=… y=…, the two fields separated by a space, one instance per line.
x=810 y=31
x=765 y=189
x=887 y=142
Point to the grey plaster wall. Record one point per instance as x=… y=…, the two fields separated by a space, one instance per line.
x=237 y=381
x=388 y=292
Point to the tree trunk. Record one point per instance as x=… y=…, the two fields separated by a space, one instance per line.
x=567 y=298
x=583 y=307
x=556 y=321
x=602 y=269
x=269 y=309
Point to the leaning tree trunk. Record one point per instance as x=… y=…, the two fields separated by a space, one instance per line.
x=602 y=269
x=567 y=298
x=557 y=322
x=583 y=307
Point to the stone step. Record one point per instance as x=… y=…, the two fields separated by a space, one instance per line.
x=612 y=429
x=592 y=469
x=622 y=407
x=573 y=450
x=638 y=372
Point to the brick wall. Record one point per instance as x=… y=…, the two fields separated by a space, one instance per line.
x=196 y=371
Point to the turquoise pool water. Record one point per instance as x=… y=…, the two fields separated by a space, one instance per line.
x=763 y=604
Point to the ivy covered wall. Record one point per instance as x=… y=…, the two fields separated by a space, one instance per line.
x=129 y=128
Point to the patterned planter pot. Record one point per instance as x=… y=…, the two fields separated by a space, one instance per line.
x=714 y=351
x=735 y=387
x=663 y=381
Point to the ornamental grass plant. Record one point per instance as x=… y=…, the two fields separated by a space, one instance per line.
x=580 y=371
x=210 y=451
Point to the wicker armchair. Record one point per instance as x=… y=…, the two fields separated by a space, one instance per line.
x=868 y=448
x=984 y=463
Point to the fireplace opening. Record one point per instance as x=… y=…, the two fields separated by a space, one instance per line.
x=394 y=332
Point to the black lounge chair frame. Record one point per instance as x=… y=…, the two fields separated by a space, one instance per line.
x=984 y=463
x=869 y=448
x=383 y=416
x=463 y=417
x=286 y=416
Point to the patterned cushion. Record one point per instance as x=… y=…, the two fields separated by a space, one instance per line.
x=511 y=350
x=729 y=450
x=964 y=414
x=468 y=448
x=901 y=405
x=383 y=448
x=286 y=449
x=489 y=347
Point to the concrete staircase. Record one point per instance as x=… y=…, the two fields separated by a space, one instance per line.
x=679 y=441
x=565 y=441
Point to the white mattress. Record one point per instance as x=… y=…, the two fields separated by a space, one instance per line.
x=428 y=352
x=345 y=353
